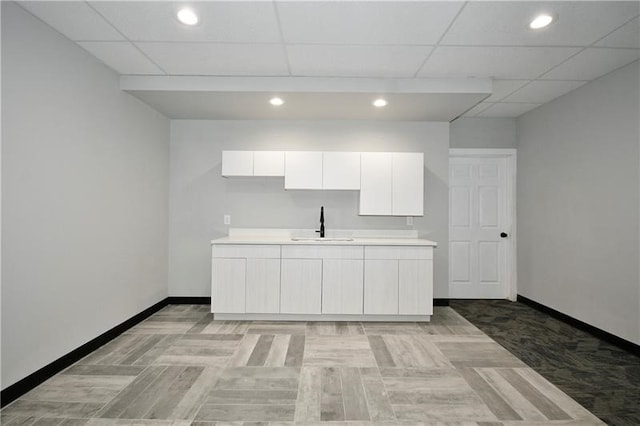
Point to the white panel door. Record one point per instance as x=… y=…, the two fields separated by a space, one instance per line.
x=408 y=184
x=477 y=217
x=263 y=286
x=301 y=286
x=376 y=176
x=341 y=170
x=228 y=285
x=381 y=287
x=302 y=170
x=342 y=286
x=268 y=163
x=415 y=287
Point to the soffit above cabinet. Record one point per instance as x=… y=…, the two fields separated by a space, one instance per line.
x=238 y=98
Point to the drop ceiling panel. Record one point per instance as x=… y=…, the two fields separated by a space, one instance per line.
x=122 y=57
x=334 y=22
x=497 y=62
x=390 y=42
x=477 y=109
x=507 y=110
x=502 y=88
x=506 y=23
x=592 y=63
x=356 y=61
x=217 y=59
x=626 y=36
x=227 y=21
x=74 y=19
x=543 y=91
x=307 y=106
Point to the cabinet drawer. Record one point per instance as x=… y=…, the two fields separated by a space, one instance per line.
x=322 y=252
x=400 y=252
x=265 y=251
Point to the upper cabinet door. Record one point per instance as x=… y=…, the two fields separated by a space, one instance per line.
x=303 y=170
x=376 y=174
x=237 y=163
x=268 y=163
x=341 y=170
x=408 y=184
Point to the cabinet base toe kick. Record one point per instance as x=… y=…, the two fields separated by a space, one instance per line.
x=321 y=317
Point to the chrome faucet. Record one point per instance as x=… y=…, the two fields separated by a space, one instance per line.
x=321 y=231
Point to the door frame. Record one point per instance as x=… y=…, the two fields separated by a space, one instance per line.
x=510 y=157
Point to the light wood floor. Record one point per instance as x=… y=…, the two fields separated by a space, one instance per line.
x=180 y=367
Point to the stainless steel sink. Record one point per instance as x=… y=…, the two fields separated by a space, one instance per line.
x=320 y=239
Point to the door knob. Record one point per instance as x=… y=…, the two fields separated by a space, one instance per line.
x=503 y=235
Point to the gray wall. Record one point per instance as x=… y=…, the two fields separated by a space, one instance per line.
x=483 y=133
x=84 y=198
x=200 y=196
x=578 y=204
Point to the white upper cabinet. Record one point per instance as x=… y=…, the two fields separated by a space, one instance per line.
x=376 y=174
x=408 y=184
x=303 y=170
x=392 y=184
x=237 y=163
x=341 y=170
x=252 y=163
x=268 y=163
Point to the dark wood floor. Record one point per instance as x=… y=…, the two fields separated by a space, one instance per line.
x=601 y=377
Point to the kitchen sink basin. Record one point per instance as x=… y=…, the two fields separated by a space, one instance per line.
x=320 y=239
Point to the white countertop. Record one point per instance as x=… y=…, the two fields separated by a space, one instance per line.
x=280 y=240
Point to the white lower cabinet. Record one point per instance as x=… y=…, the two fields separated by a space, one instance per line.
x=319 y=280
x=381 y=287
x=398 y=280
x=415 y=292
x=301 y=286
x=228 y=292
x=263 y=286
x=245 y=279
x=342 y=281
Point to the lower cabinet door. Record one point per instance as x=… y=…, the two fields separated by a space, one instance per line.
x=381 y=287
x=415 y=287
x=301 y=286
x=342 y=286
x=263 y=286
x=228 y=277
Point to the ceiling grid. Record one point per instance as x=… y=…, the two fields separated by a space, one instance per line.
x=394 y=43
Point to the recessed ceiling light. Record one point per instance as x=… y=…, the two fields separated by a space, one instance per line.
x=541 y=21
x=379 y=103
x=276 y=101
x=187 y=16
